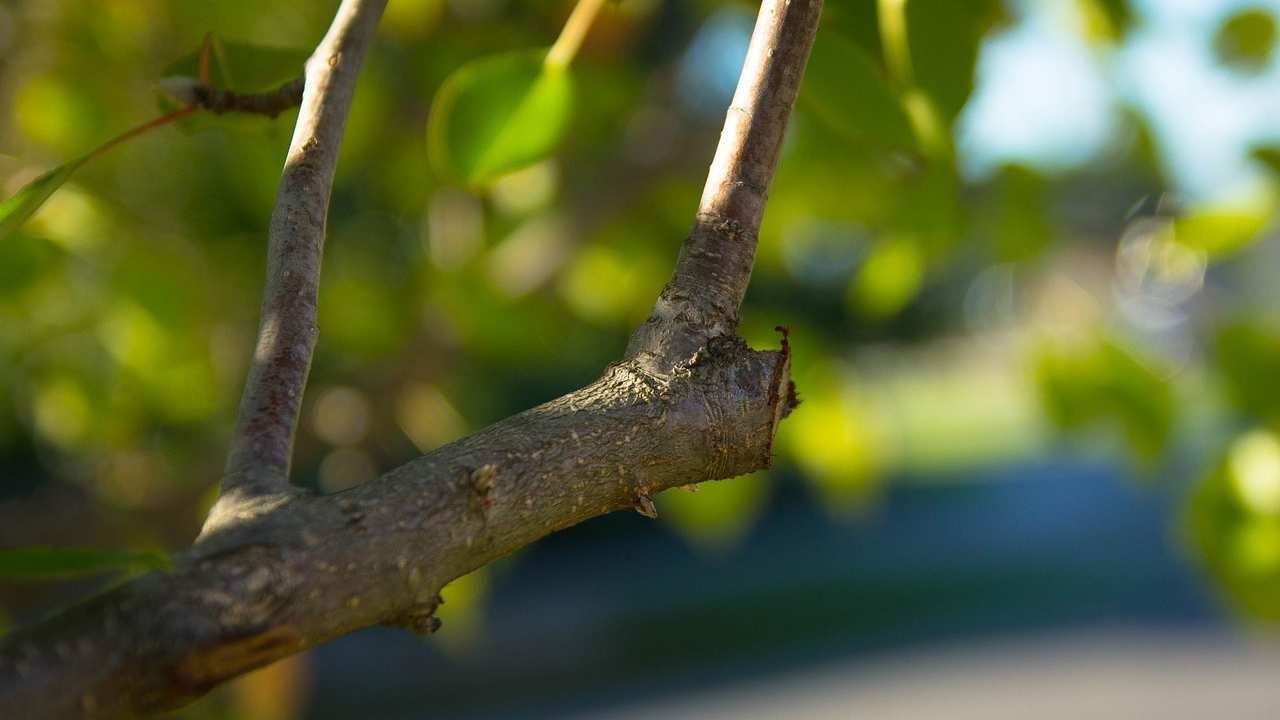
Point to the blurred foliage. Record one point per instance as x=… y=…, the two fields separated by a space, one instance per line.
x=1247 y=40
x=462 y=610
x=43 y=563
x=497 y=230
x=1248 y=357
x=1269 y=156
x=1021 y=223
x=716 y=514
x=1102 y=383
x=1106 y=20
x=889 y=278
x=832 y=441
x=1234 y=519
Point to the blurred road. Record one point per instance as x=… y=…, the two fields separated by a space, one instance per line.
x=1101 y=676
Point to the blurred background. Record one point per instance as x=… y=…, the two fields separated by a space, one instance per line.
x=1025 y=248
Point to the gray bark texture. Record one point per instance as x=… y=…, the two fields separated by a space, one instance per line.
x=277 y=570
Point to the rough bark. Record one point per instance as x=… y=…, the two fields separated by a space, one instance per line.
x=276 y=570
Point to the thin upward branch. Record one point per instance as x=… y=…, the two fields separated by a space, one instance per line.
x=701 y=302
x=751 y=142
x=258 y=462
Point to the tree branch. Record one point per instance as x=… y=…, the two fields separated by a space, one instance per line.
x=317 y=567
x=262 y=442
x=270 y=103
x=294 y=570
x=702 y=300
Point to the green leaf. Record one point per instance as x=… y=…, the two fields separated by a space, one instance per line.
x=18 y=209
x=242 y=67
x=36 y=563
x=1221 y=231
x=1247 y=40
x=856 y=21
x=498 y=114
x=944 y=36
x=846 y=90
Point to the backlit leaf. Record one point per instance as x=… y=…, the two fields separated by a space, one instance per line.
x=242 y=67
x=18 y=209
x=498 y=114
x=944 y=36
x=1219 y=232
x=846 y=90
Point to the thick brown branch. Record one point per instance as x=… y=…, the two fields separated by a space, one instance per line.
x=258 y=461
x=318 y=567
x=702 y=300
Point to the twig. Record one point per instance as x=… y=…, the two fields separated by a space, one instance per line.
x=261 y=444
x=203 y=96
x=150 y=125
x=575 y=30
x=270 y=103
